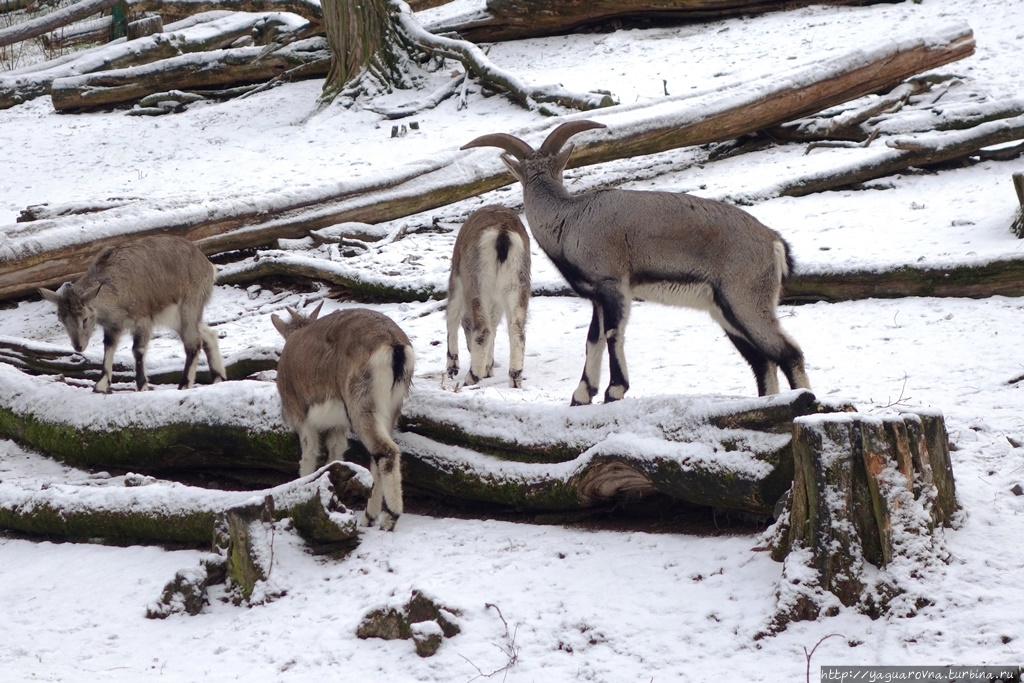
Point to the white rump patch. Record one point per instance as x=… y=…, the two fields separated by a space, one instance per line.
x=327 y=415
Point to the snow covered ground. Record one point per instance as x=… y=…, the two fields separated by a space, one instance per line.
x=578 y=604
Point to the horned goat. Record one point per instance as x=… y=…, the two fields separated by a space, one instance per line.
x=348 y=370
x=490 y=276
x=615 y=245
x=161 y=280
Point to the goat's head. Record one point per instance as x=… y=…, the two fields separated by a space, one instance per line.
x=525 y=161
x=75 y=310
x=298 y=320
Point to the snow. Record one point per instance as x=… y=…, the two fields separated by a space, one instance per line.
x=541 y=603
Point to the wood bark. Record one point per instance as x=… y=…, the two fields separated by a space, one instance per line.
x=212 y=69
x=228 y=224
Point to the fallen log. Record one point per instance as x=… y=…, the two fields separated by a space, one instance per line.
x=518 y=19
x=214 y=68
x=46 y=359
x=33 y=28
x=732 y=454
x=215 y=33
x=136 y=509
x=1002 y=277
x=47 y=253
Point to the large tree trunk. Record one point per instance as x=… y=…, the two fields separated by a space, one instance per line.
x=235 y=223
x=365 y=45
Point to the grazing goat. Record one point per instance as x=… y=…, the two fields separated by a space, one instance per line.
x=490 y=276
x=616 y=245
x=348 y=370
x=160 y=280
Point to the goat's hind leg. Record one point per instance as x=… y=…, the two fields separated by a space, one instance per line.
x=212 y=350
x=587 y=388
x=480 y=338
x=515 y=318
x=140 y=340
x=615 y=310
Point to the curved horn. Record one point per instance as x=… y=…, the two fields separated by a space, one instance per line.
x=565 y=131
x=509 y=143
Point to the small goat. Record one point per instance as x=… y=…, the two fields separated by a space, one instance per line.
x=616 y=245
x=161 y=280
x=348 y=370
x=490 y=276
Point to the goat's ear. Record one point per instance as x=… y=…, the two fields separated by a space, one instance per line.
x=90 y=294
x=280 y=324
x=316 y=312
x=514 y=165
x=562 y=158
x=50 y=295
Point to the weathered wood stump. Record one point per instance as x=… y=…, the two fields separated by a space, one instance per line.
x=866 y=491
x=1017 y=227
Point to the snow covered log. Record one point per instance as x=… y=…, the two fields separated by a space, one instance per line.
x=34 y=28
x=46 y=253
x=210 y=69
x=731 y=454
x=214 y=31
x=50 y=359
x=135 y=509
x=227 y=432
x=866 y=491
x=519 y=19
x=727 y=453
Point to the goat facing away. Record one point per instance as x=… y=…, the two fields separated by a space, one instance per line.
x=615 y=245
x=490 y=276
x=161 y=280
x=348 y=370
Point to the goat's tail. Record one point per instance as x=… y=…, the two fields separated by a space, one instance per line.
x=784 y=260
x=390 y=369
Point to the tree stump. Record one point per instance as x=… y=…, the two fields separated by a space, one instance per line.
x=866 y=491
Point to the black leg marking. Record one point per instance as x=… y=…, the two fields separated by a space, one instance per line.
x=757 y=360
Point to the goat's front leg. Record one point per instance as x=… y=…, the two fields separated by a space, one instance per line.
x=140 y=340
x=453 y=318
x=110 y=339
x=587 y=388
x=615 y=308
x=212 y=350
